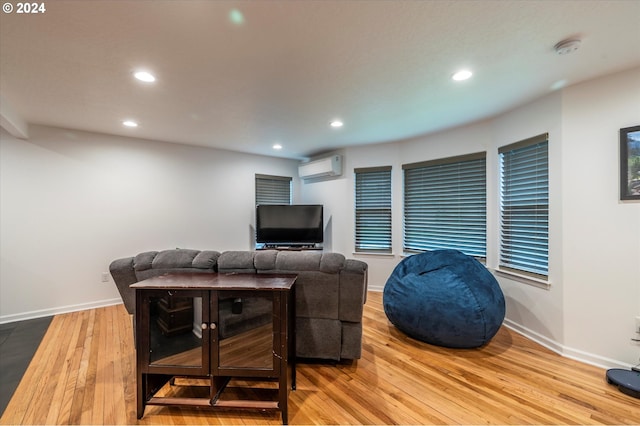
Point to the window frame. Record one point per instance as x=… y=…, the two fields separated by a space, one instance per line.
x=373 y=225
x=523 y=235
x=271 y=194
x=474 y=240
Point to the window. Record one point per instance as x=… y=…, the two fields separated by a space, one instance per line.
x=524 y=206
x=373 y=209
x=445 y=205
x=273 y=189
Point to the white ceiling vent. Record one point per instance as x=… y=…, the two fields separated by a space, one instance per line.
x=324 y=167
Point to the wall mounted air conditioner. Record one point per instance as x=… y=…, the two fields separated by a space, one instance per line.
x=324 y=167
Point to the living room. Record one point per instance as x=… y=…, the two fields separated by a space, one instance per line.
x=73 y=200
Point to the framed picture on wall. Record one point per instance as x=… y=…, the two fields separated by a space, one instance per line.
x=630 y=163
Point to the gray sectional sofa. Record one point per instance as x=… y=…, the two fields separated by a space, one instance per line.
x=330 y=290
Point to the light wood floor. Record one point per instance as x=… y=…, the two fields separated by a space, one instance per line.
x=83 y=373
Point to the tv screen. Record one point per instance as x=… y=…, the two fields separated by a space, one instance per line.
x=284 y=224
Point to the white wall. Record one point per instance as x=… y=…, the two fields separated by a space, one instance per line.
x=601 y=233
x=71 y=202
x=537 y=312
x=594 y=268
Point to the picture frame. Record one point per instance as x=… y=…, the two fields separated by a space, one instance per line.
x=630 y=163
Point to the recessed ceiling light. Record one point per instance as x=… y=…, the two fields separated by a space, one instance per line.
x=337 y=123
x=130 y=123
x=145 y=76
x=277 y=146
x=462 y=75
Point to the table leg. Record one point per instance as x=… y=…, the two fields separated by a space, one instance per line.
x=141 y=392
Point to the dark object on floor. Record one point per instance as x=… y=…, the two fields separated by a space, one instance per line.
x=627 y=381
x=18 y=343
x=445 y=298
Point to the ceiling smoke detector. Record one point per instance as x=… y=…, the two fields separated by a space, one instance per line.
x=567 y=46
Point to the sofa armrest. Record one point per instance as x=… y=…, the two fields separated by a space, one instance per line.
x=124 y=275
x=353 y=290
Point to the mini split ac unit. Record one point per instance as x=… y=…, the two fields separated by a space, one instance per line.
x=329 y=166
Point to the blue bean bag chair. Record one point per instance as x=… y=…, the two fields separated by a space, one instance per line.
x=445 y=298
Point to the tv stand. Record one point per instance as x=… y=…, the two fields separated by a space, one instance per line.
x=290 y=247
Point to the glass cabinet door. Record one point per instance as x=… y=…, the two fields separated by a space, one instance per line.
x=245 y=330
x=177 y=335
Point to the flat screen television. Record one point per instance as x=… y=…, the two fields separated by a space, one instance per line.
x=284 y=224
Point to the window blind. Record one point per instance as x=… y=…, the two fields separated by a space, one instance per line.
x=373 y=209
x=273 y=189
x=445 y=205
x=524 y=206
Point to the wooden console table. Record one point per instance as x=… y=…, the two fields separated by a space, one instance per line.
x=243 y=333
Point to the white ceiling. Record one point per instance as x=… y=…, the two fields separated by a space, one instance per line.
x=282 y=75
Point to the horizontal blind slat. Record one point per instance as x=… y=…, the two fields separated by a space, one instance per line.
x=373 y=209
x=524 y=206
x=445 y=206
x=273 y=190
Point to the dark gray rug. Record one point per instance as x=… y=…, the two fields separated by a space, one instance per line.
x=18 y=343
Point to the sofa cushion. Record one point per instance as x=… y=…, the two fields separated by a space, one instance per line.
x=265 y=260
x=298 y=261
x=236 y=261
x=332 y=263
x=143 y=261
x=178 y=258
x=152 y=263
x=207 y=259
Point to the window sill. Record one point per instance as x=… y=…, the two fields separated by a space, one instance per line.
x=523 y=278
x=372 y=253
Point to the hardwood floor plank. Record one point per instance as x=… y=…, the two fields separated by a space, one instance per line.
x=63 y=395
x=128 y=359
x=84 y=373
x=97 y=388
x=37 y=413
x=71 y=383
x=114 y=402
x=315 y=407
x=83 y=345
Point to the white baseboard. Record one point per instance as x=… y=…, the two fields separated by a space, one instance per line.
x=565 y=351
x=4 y=319
x=377 y=289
